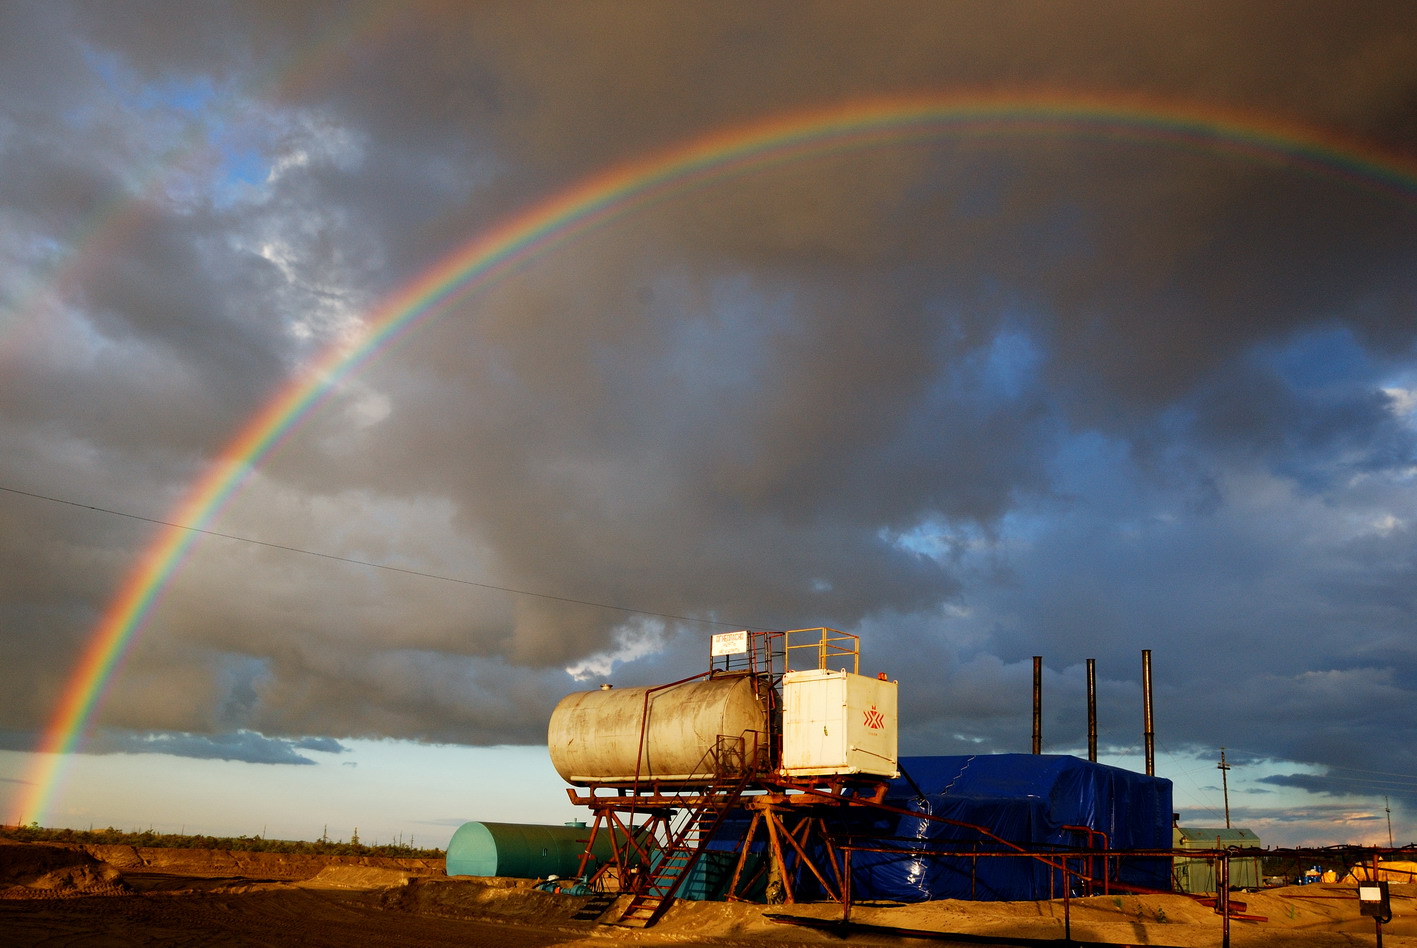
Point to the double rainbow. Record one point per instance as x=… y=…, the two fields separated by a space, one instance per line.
x=613 y=193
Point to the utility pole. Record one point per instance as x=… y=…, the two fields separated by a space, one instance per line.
x=1225 y=785
x=1388 y=806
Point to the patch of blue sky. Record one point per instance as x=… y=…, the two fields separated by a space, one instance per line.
x=244 y=165
x=108 y=69
x=969 y=384
x=1400 y=386
x=195 y=96
x=937 y=538
x=1012 y=364
x=1091 y=466
x=205 y=117
x=1004 y=371
x=1006 y=367
x=151 y=100
x=243 y=158
x=1323 y=358
x=972 y=549
x=1338 y=385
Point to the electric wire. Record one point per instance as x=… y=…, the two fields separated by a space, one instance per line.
x=1381 y=773
x=1334 y=781
x=1337 y=773
x=383 y=566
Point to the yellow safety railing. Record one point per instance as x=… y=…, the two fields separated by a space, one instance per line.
x=832 y=650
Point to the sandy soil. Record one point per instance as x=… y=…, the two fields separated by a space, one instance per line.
x=57 y=895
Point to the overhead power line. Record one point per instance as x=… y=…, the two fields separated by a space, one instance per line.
x=372 y=565
x=1338 y=773
x=1381 y=773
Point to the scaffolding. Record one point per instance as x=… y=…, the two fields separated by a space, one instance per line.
x=666 y=831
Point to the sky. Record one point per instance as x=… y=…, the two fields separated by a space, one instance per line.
x=1101 y=339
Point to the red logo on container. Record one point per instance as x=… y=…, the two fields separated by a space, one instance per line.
x=875 y=720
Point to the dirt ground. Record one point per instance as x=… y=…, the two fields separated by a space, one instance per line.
x=68 y=895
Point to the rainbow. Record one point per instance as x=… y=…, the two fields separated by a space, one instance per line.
x=619 y=190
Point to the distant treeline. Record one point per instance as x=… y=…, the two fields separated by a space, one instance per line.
x=253 y=844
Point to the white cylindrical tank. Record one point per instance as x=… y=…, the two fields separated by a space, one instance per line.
x=594 y=736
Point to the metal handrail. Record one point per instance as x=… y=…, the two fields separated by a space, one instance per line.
x=827 y=647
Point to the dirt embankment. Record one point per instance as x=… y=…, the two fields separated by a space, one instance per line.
x=54 y=870
x=68 y=870
x=273 y=866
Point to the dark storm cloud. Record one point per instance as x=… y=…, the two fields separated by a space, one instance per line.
x=1337 y=784
x=979 y=398
x=246 y=746
x=242 y=745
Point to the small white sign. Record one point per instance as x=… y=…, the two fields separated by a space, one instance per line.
x=729 y=643
x=1369 y=893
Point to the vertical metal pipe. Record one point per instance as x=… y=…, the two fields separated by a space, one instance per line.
x=1038 y=704
x=1378 y=919
x=1092 y=710
x=1222 y=897
x=846 y=890
x=1146 y=712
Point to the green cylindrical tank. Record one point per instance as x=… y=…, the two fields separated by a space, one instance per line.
x=522 y=850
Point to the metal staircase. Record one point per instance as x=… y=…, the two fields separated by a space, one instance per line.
x=688 y=837
x=594 y=907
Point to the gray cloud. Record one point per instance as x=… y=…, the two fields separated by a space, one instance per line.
x=246 y=746
x=1060 y=391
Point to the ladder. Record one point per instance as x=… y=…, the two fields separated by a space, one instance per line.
x=686 y=843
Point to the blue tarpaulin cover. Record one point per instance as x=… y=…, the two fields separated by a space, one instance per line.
x=1031 y=800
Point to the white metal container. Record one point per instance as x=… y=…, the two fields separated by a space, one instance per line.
x=836 y=722
x=689 y=731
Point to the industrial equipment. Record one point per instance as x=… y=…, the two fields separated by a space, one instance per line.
x=1195 y=875
x=521 y=850
x=763 y=777
x=662 y=734
x=779 y=731
x=834 y=722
